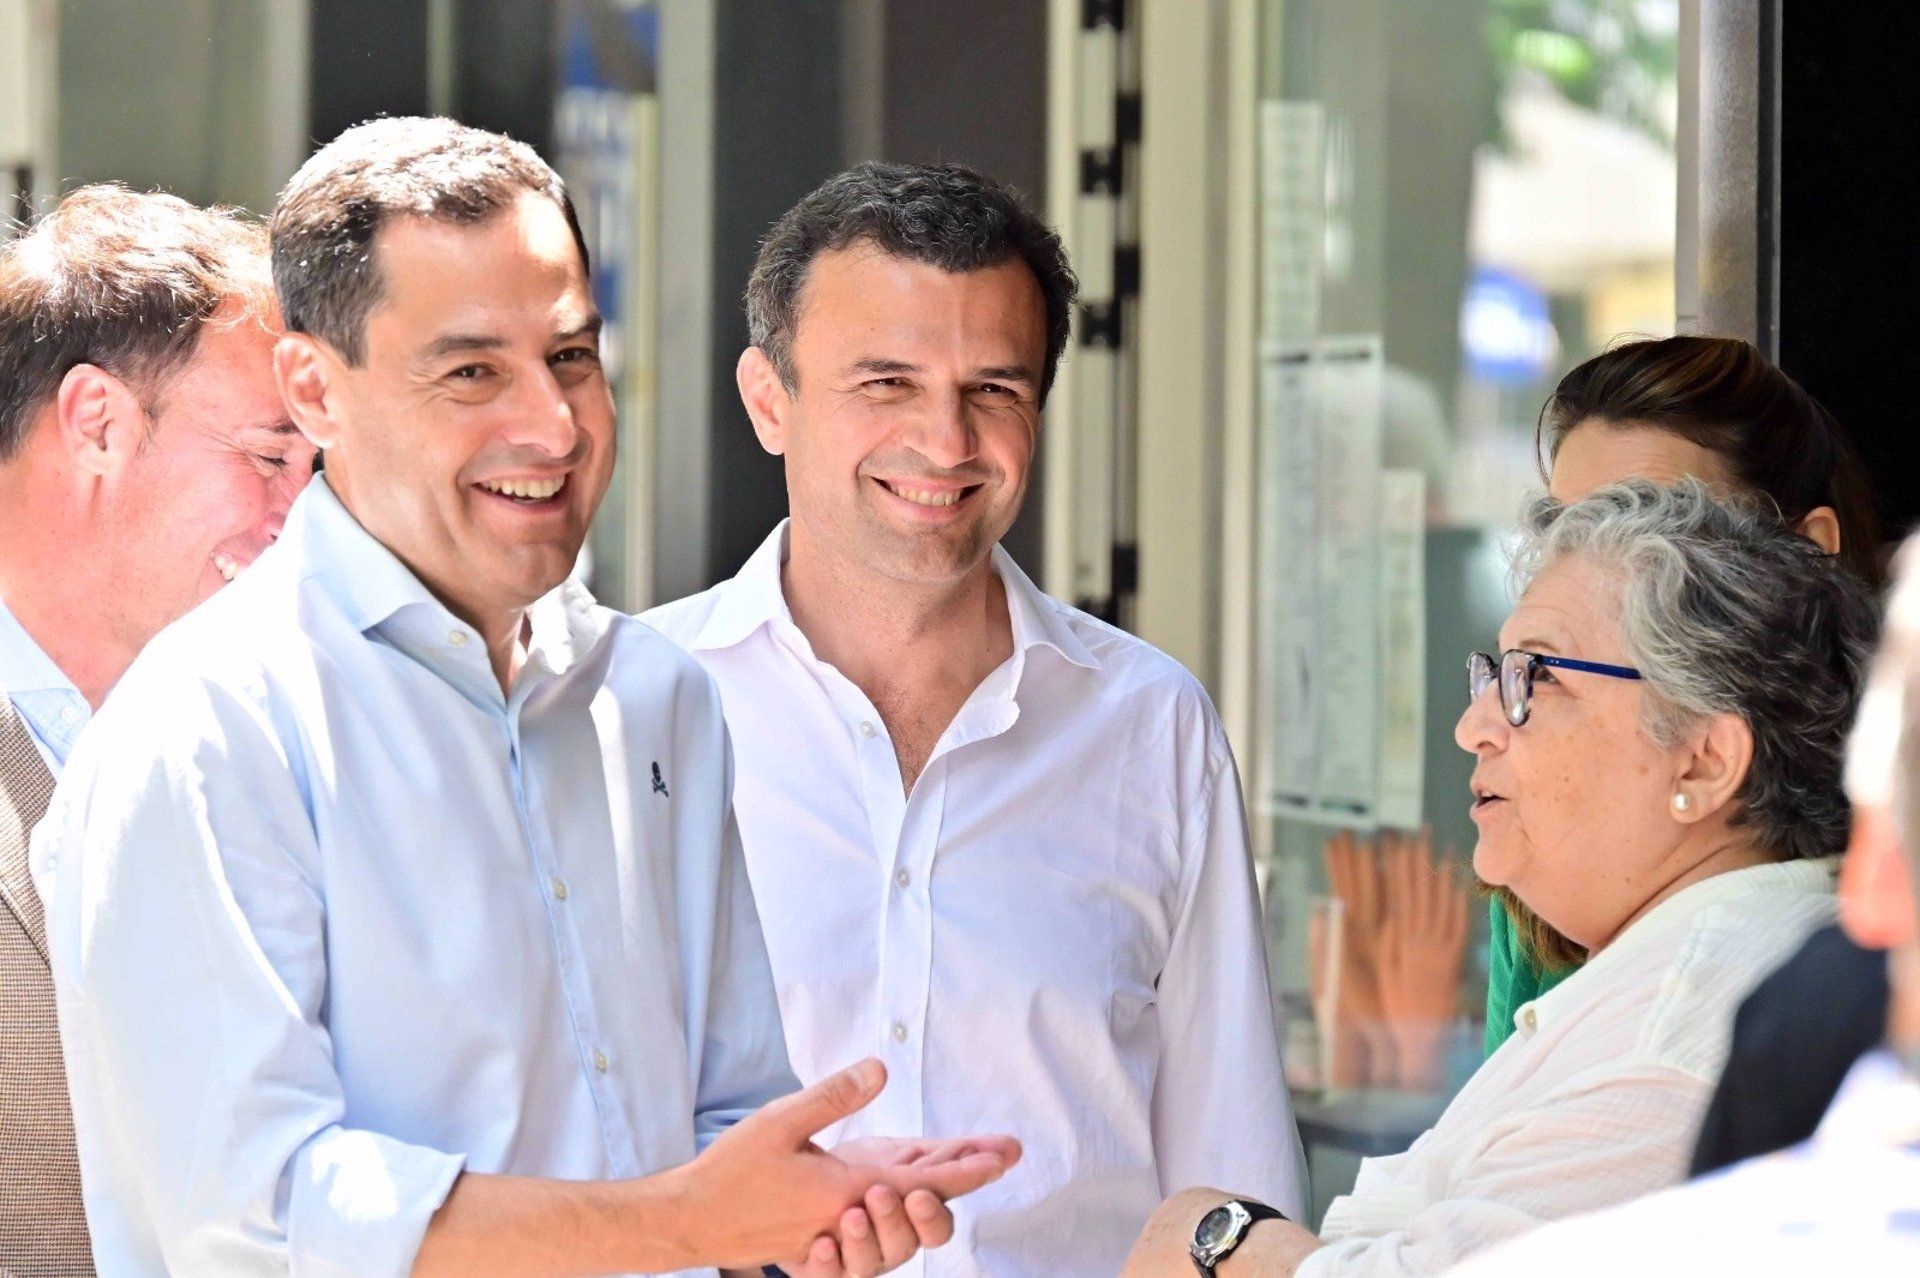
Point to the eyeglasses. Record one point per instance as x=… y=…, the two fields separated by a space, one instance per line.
x=1516 y=668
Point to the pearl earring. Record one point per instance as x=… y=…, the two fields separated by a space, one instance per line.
x=1681 y=802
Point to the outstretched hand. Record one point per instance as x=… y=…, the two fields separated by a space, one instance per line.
x=772 y=1195
x=895 y=1222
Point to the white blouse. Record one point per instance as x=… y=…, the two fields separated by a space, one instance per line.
x=1597 y=1097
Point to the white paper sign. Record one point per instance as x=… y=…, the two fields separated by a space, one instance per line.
x=1320 y=579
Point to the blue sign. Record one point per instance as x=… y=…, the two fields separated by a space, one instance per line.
x=1505 y=332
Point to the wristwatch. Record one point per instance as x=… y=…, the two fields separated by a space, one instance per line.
x=1223 y=1229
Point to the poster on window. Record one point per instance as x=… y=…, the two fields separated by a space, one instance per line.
x=1320 y=579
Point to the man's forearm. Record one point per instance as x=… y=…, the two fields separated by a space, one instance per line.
x=530 y=1227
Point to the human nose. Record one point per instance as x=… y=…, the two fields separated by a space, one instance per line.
x=542 y=417
x=1483 y=724
x=943 y=434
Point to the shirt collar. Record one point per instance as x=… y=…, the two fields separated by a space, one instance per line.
x=1809 y=875
x=1037 y=620
x=53 y=708
x=364 y=579
x=754 y=596
x=749 y=599
x=24 y=665
x=373 y=588
x=1812 y=875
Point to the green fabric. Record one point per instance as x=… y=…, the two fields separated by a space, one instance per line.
x=1513 y=978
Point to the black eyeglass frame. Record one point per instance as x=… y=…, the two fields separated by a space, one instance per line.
x=1514 y=673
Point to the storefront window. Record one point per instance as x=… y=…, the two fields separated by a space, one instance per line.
x=1458 y=202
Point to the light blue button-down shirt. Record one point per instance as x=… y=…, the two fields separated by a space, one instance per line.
x=52 y=707
x=332 y=917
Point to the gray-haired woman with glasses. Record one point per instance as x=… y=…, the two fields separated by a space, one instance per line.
x=1658 y=776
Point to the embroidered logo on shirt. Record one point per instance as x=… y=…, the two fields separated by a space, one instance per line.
x=659 y=782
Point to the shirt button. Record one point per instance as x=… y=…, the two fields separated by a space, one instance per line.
x=1528 y=1019
x=457 y=638
x=68 y=714
x=899 y=1032
x=866 y=728
x=901 y=878
x=559 y=889
x=600 y=1061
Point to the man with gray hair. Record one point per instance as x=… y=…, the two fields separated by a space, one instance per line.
x=1006 y=838
x=398 y=918
x=145 y=460
x=1848 y=1200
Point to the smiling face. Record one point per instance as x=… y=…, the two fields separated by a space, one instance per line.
x=208 y=488
x=477 y=439
x=909 y=435
x=1573 y=807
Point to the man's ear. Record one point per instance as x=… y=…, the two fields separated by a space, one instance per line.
x=1876 y=893
x=1821 y=526
x=1715 y=769
x=101 y=421
x=308 y=374
x=766 y=398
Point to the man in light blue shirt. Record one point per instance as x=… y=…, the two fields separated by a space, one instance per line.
x=399 y=920
x=145 y=459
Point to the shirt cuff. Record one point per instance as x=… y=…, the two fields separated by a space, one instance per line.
x=361 y=1203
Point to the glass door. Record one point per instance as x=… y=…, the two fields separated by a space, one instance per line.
x=1456 y=201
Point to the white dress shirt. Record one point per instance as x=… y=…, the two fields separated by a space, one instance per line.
x=1845 y=1202
x=53 y=709
x=1056 y=935
x=1598 y=1095
x=332 y=918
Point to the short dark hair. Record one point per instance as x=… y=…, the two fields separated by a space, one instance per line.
x=125 y=281
x=943 y=215
x=326 y=219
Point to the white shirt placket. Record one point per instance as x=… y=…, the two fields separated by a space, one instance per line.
x=906 y=842
x=903 y=853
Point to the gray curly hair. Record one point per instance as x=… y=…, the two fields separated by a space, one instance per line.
x=1725 y=610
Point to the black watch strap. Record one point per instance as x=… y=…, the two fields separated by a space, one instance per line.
x=1255 y=1213
x=1260 y=1212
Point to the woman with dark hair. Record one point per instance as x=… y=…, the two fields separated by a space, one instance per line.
x=1716 y=409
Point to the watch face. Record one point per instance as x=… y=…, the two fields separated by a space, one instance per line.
x=1216 y=1228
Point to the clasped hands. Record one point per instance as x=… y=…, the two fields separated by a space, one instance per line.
x=767 y=1190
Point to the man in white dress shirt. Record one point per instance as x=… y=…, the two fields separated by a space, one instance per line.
x=145 y=459
x=999 y=842
x=398 y=918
